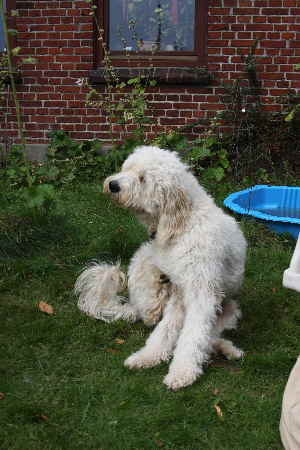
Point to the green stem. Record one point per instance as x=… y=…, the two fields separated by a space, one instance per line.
x=14 y=90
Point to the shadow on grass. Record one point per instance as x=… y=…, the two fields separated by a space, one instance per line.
x=28 y=235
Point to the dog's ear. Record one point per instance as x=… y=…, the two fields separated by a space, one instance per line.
x=175 y=211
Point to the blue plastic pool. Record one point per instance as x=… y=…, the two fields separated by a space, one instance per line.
x=277 y=206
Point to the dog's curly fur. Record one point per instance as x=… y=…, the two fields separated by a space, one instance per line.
x=184 y=277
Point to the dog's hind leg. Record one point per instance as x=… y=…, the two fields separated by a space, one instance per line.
x=227 y=320
x=148 y=289
x=228 y=316
x=229 y=350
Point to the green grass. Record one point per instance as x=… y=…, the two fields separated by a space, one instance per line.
x=62 y=376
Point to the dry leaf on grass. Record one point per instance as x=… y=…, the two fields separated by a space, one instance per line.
x=43 y=417
x=112 y=350
x=2 y=395
x=219 y=411
x=45 y=308
x=120 y=341
x=40 y=418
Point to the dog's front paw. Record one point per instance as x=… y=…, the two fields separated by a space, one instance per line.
x=181 y=377
x=141 y=360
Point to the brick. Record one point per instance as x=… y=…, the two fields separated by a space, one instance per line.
x=238 y=27
x=228 y=51
x=219 y=11
x=244 y=35
x=161 y=105
x=68 y=58
x=288 y=35
x=186 y=113
x=279 y=27
x=272 y=108
x=213 y=51
x=185 y=105
x=259 y=19
x=273 y=44
x=271 y=76
x=242 y=42
x=244 y=19
x=218 y=26
x=212 y=106
x=295 y=44
x=218 y=43
x=175 y=121
x=275 y=11
x=83 y=51
x=274 y=19
x=43 y=119
x=66 y=27
x=52 y=12
x=54 y=20
x=246 y=11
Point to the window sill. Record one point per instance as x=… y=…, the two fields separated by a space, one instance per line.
x=163 y=75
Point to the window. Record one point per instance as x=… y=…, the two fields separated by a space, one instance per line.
x=166 y=34
x=8 y=5
x=2 y=40
x=153 y=25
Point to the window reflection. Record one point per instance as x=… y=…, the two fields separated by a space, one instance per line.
x=2 y=40
x=152 y=25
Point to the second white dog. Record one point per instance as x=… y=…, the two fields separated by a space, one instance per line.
x=186 y=274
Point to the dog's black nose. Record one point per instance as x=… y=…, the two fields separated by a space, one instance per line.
x=114 y=186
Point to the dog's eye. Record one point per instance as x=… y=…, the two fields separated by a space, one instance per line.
x=142 y=178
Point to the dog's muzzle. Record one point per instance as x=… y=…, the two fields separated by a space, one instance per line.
x=114 y=186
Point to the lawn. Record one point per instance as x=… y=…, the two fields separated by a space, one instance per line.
x=63 y=384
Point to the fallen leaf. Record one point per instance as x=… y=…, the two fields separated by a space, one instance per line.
x=40 y=418
x=120 y=341
x=159 y=443
x=112 y=350
x=2 y=395
x=45 y=308
x=43 y=417
x=219 y=411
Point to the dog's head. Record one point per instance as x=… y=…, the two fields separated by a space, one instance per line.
x=152 y=181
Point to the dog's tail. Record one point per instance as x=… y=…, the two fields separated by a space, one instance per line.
x=97 y=288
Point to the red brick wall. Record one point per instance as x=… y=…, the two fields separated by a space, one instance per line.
x=59 y=34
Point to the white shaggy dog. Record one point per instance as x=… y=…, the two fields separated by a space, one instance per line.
x=195 y=258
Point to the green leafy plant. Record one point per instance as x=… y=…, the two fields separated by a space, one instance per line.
x=172 y=140
x=207 y=156
x=20 y=172
x=85 y=160
x=293 y=113
x=39 y=198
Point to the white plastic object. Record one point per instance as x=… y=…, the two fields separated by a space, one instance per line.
x=291 y=276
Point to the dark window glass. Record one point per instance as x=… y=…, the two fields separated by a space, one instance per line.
x=2 y=40
x=152 y=25
x=2 y=43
